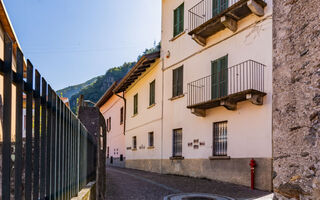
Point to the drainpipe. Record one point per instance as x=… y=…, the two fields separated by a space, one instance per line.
x=162 y=96
x=124 y=110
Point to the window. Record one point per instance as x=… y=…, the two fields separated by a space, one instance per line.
x=121 y=115
x=219 y=80
x=134 y=142
x=177 y=143
x=135 y=104
x=109 y=123
x=152 y=93
x=150 y=139
x=177 y=86
x=220 y=139
x=178 y=20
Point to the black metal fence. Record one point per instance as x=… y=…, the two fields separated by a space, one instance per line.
x=244 y=76
x=57 y=156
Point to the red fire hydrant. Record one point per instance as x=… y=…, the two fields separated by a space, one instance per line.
x=252 y=165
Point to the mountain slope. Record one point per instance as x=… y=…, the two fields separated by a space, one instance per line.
x=94 y=88
x=72 y=90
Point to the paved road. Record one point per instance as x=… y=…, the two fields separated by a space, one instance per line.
x=129 y=184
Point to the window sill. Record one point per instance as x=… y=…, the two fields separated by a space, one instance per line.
x=177 y=36
x=153 y=105
x=133 y=149
x=134 y=115
x=177 y=158
x=219 y=158
x=176 y=97
x=151 y=147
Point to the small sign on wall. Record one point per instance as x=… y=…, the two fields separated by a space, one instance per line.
x=196 y=144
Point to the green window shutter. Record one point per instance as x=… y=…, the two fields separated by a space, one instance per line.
x=152 y=93
x=218 y=6
x=175 y=23
x=174 y=83
x=135 y=104
x=181 y=18
x=177 y=87
x=180 y=81
x=219 y=77
x=214 y=79
x=224 y=76
x=178 y=20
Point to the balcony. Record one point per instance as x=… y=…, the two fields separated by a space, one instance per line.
x=211 y=16
x=227 y=87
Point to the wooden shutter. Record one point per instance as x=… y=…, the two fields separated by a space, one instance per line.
x=177 y=87
x=135 y=104
x=219 y=77
x=214 y=80
x=152 y=93
x=223 y=77
x=178 y=20
x=175 y=23
x=180 y=81
x=181 y=18
x=174 y=83
x=218 y=6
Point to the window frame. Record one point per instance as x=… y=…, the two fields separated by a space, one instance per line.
x=121 y=115
x=178 y=20
x=152 y=92
x=135 y=104
x=177 y=152
x=222 y=143
x=177 y=81
x=134 y=142
x=151 y=133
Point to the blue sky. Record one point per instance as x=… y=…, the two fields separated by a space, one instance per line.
x=71 y=41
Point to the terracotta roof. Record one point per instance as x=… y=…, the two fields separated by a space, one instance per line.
x=106 y=96
x=142 y=65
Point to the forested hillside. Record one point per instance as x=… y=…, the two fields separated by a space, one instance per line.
x=72 y=90
x=94 y=88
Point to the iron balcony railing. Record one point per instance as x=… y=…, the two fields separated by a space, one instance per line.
x=57 y=157
x=248 y=75
x=206 y=10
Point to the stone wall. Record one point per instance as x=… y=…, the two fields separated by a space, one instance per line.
x=234 y=170
x=296 y=99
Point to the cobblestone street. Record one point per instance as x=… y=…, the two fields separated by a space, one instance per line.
x=123 y=184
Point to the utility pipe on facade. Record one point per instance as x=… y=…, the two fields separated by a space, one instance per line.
x=162 y=104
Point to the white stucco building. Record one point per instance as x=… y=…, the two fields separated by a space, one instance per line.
x=213 y=93
x=112 y=108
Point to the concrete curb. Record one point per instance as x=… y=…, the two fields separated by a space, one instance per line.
x=87 y=193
